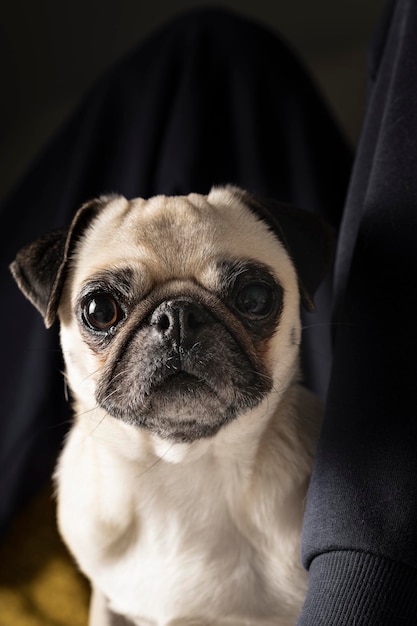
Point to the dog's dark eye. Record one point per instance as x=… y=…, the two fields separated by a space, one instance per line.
x=102 y=312
x=255 y=300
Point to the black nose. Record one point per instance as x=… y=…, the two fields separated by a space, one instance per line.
x=180 y=321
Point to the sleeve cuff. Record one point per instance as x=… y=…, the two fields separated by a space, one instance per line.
x=349 y=588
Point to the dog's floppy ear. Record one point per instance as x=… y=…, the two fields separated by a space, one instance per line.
x=40 y=267
x=308 y=238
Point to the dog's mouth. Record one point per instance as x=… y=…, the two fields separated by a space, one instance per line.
x=180 y=393
x=182 y=406
x=181 y=382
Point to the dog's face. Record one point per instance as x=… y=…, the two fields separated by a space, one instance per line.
x=178 y=314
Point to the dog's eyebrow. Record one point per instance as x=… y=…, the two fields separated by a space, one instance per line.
x=230 y=269
x=121 y=279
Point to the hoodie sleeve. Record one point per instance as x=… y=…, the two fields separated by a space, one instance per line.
x=360 y=530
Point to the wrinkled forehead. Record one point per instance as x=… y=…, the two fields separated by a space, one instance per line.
x=174 y=237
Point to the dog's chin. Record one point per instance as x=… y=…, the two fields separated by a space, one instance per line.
x=183 y=409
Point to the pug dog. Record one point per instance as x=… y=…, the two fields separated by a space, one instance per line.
x=182 y=482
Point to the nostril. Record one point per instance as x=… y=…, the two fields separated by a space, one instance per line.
x=163 y=322
x=192 y=321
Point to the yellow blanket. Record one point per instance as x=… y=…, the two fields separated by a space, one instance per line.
x=39 y=584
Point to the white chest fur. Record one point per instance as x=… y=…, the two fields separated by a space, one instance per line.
x=202 y=534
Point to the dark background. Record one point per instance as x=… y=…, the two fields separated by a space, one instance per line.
x=51 y=51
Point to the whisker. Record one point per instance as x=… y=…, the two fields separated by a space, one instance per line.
x=325 y=325
x=158 y=460
x=122 y=373
x=91 y=374
x=81 y=413
x=98 y=424
x=110 y=394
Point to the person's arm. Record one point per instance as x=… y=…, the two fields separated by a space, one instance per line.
x=360 y=532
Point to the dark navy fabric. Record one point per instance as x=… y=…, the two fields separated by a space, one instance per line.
x=363 y=494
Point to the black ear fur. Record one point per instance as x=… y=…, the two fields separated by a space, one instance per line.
x=35 y=269
x=308 y=238
x=40 y=267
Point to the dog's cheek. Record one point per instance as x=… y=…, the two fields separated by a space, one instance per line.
x=82 y=366
x=65 y=312
x=282 y=350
